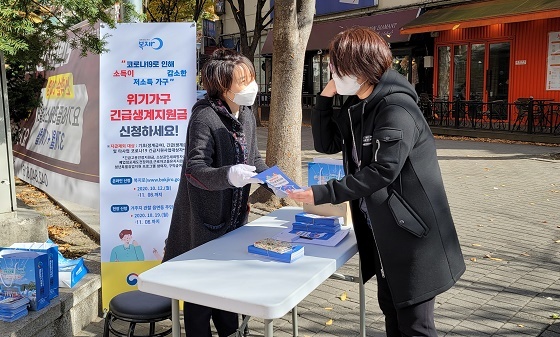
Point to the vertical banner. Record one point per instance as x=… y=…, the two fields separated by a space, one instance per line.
x=147 y=88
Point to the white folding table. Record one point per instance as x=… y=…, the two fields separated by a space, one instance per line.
x=222 y=274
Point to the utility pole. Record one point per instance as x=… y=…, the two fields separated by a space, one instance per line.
x=16 y=224
x=7 y=181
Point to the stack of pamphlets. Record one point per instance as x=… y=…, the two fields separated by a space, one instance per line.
x=277 y=250
x=12 y=308
x=317 y=223
x=315 y=229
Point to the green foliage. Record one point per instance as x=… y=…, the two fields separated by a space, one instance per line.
x=30 y=31
x=23 y=92
x=179 y=10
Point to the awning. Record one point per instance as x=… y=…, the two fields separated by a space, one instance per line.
x=388 y=25
x=483 y=13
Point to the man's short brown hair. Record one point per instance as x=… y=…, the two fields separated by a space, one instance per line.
x=125 y=232
x=217 y=72
x=361 y=52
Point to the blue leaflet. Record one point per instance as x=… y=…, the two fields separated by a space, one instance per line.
x=296 y=252
x=278 y=181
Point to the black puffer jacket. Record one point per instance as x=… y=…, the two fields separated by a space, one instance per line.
x=203 y=205
x=400 y=180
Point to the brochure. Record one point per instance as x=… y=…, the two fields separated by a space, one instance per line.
x=302 y=226
x=315 y=219
x=13 y=303
x=277 y=250
x=323 y=239
x=318 y=173
x=278 y=181
x=14 y=315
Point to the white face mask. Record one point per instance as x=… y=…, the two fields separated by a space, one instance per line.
x=246 y=96
x=346 y=85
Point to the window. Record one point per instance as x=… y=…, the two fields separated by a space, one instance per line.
x=444 y=69
x=479 y=71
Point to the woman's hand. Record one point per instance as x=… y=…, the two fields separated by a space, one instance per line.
x=330 y=89
x=302 y=196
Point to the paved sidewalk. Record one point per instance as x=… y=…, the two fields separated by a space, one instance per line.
x=505 y=199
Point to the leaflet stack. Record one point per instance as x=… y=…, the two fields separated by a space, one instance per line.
x=13 y=308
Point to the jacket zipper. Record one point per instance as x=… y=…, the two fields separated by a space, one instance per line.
x=377 y=247
x=375 y=157
x=378 y=253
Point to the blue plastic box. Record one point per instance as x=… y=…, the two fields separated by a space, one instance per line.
x=25 y=273
x=51 y=249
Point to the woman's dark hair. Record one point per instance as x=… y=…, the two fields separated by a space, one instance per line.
x=217 y=72
x=360 y=51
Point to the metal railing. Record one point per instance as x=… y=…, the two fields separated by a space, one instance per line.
x=525 y=115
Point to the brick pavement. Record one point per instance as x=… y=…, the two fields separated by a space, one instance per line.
x=505 y=200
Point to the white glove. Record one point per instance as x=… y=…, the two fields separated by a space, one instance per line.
x=241 y=174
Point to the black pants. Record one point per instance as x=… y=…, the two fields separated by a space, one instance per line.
x=413 y=321
x=197 y=321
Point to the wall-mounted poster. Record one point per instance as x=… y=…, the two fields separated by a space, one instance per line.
x=553 y=62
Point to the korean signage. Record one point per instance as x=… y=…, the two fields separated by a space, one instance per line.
x=56 y=148
x=328 y=7
x=147 y=87
x=553 y=62
x=324 y=7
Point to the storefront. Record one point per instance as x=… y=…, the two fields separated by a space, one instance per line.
x=487 y=51
x=408 y=51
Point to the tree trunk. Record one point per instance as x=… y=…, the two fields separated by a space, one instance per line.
x=293 y=20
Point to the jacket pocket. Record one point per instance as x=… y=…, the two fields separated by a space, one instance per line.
x=405 y=217
x=387 y=144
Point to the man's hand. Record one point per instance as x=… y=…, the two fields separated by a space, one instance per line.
x=330 y=89
x=302 y=196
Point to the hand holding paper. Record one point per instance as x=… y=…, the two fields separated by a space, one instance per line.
x=241 y=174
x=305 y=196
x=278 y=181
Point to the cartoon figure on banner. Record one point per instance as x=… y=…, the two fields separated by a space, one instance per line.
x=130 y=250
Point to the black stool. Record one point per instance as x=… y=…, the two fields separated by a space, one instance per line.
x=137 y=307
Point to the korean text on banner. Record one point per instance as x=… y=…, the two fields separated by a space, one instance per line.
x=147 y=88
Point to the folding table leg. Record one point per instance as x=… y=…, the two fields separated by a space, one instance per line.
x=362 y=290
x=268 y=327
x=294 y=322
x=243 y=330
x=175 y=320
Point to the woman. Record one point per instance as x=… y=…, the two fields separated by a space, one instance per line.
x=221 y=157
x=405 y=233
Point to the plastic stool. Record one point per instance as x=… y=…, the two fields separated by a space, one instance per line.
x=137 y=307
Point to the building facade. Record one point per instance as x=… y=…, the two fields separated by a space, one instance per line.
x=387 y=17
x=480 y=51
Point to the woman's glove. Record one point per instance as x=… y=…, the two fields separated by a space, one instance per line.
x=241 y=174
